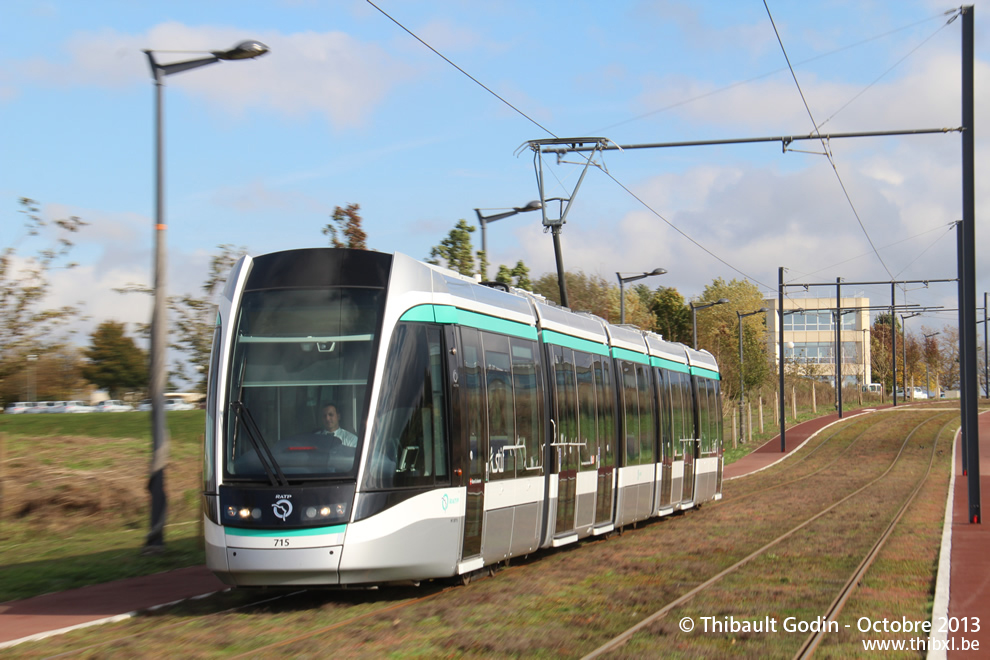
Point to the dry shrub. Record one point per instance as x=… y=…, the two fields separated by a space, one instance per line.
x=39 y=491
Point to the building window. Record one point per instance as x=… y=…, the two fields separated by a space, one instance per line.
x=821 y=352
x=817 y=321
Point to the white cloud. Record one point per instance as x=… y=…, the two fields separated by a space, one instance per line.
x=328 y=73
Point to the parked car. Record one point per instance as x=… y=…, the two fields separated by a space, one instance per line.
x=44 y=407
x=73 y=407
x=918 y=393
x=178 y=404
x=145 y=406
x=112 y=405
x=18 y=408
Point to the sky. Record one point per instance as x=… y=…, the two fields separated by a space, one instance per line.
x=350 y=107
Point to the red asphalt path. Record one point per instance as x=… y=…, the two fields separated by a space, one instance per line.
x=969 y=589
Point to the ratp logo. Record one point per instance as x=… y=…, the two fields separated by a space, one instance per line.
x=282 y=509
x=446 y=501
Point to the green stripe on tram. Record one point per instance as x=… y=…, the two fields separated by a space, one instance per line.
x=669 y=365
x=626 y=354
x=262 y=533
x=578 y=344
x=453 y=315
x=705 y=373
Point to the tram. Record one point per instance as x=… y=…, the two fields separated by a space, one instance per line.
x=484 y=423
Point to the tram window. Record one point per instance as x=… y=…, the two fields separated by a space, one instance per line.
x=294 y=351
x=606 y=416
x=630 y=397
x=501 y=409
x=710 y=421
x=408 y=445
x=472 y=387
x=567 y=427
x=587 y=410
x=663 y=413
x=528 y=405
x=682 y=416
x=210 y=444
x=646 y=425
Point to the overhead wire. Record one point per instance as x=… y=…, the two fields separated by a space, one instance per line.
x=486 y=88
x=828 y=153
x=889 y=69
x=642 y=201
x=775 y=71
x=949 y=226
x=448 y=61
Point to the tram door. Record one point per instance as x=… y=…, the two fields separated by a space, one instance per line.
x=565 y=445
x=473 y=431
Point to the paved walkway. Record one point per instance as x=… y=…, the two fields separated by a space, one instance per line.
x=965 y=594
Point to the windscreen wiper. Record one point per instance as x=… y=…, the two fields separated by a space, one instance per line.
x=265 y=456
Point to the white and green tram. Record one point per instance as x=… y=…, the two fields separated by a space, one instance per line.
x=489 y=423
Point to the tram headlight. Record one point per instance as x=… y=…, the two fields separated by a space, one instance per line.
x=325 y=511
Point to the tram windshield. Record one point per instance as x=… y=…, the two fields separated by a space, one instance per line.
x=300 y=368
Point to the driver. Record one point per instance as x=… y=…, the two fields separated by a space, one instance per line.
x=330 y=419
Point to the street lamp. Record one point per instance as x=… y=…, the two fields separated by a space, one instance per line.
x=483 y=220
x=633 y=278
x=742 y=384
x=694 y=316
x=156 y=388
x=927 y=377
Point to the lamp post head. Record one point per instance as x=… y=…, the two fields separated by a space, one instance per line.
x=535 y=205
x=245 y=50
x=658 y=271
x=721 y=301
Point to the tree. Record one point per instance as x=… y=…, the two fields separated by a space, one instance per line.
x=881 y=350
x=718 y=332
x=348 y=222
x=672 y=317
x=194 y=318
x=456 y=250
x=517 y=277
x=26 y=326
x=115 y=363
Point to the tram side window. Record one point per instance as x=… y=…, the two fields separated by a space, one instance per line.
x=408 y=446
x=501 y=408
x=663 y=413
x=682 y=414
x=630 y=401
x=606 y=414
x=709 y=404
x=528 y=404
x=646 y=425
x=209 y=463
x=587 y=410
x=567 y=423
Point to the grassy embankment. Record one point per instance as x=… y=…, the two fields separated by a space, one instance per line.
x=74 y=500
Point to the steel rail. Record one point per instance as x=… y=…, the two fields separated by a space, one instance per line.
x=624 y=637
x=814 y=639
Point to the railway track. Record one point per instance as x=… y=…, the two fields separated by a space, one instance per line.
x=815 y=638
x=368 y=623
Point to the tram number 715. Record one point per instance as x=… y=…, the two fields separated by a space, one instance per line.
x=281 y=543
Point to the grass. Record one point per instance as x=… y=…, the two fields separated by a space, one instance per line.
x=74 y=507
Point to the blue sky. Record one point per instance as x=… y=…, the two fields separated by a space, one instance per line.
x=349 y=108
